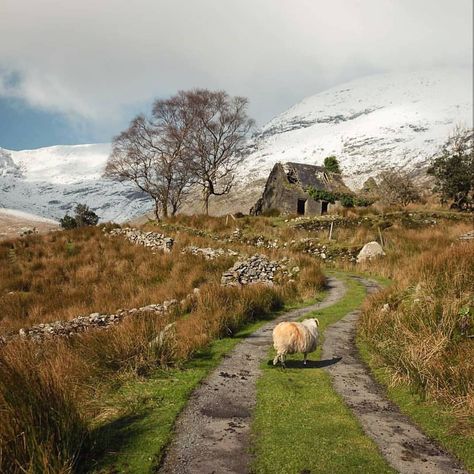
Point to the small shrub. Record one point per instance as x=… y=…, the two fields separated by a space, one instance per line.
x=83 y=217
x=346 y=200
x=331 y=163
x=362 y=202
x=68 y=222
x=453 y=170
x=322 y=195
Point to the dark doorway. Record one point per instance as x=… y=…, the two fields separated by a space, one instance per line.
x=324 y=207
x=301 y=207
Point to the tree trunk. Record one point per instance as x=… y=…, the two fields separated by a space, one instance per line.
x=164 y=202
x=157 y=210
x=164 y=205
x=206 y=195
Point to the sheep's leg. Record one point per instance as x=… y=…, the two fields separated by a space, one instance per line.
x=305 y=358
x=275 y=360
x=282 y=359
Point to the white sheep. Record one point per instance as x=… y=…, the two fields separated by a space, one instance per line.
x=290 y=338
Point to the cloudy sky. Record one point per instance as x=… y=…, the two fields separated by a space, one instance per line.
x=77 y=71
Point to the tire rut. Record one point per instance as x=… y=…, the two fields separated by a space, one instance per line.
x=402 y=444
x=212 y=434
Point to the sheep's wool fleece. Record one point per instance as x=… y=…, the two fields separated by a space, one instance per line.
x=290 y=338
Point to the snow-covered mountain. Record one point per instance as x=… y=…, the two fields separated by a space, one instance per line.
x=50 y=181
x=370 y=124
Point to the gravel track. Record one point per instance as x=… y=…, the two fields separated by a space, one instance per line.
x=402 y=444
x=212 y=434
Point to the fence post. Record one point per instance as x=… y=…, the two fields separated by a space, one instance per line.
x=381 y=237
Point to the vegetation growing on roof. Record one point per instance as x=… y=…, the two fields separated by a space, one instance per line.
x=347 y=200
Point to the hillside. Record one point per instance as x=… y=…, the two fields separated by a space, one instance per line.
x=50 y=181
x=176 y=380
x=14 y=223
x=370 y=124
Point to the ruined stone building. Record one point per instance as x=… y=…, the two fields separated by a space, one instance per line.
x=286 y=190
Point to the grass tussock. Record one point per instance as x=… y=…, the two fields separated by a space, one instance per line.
x=52 y=394
x=42 y=429
x=421 y=327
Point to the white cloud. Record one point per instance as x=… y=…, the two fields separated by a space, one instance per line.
x=95 y=59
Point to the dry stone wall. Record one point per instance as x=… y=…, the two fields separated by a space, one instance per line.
x=210 y=253
x=257 y=269
x=91 y=321
x=155 y=241
x=327 y=253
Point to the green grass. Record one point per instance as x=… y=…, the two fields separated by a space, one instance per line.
x=142 y=412
x=435 y=419
x=302 y=425
x=381 y=280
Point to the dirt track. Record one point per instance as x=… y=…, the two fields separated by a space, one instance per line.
x=11 y=226
x=404 y=446
x=213 y=432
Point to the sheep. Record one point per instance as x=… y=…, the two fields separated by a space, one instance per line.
x=290 y=338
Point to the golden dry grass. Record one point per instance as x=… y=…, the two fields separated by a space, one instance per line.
x=63 y=275
x=422 y=336
x=50 y=393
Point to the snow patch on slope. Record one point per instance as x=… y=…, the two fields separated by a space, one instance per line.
x=370 y=124
x=51 y=181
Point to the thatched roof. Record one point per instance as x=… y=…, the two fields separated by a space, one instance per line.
x=316 y=177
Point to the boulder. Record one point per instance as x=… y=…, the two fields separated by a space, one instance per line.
x=370 y=251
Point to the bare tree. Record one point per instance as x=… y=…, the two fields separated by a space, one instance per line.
x=174 y=122
x=191 y=138
x=220 y=124
x=397 y=187
x=153 y=154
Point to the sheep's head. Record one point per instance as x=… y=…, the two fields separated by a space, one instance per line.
x=313 y=320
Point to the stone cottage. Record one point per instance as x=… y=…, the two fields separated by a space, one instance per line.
x=286 y=190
